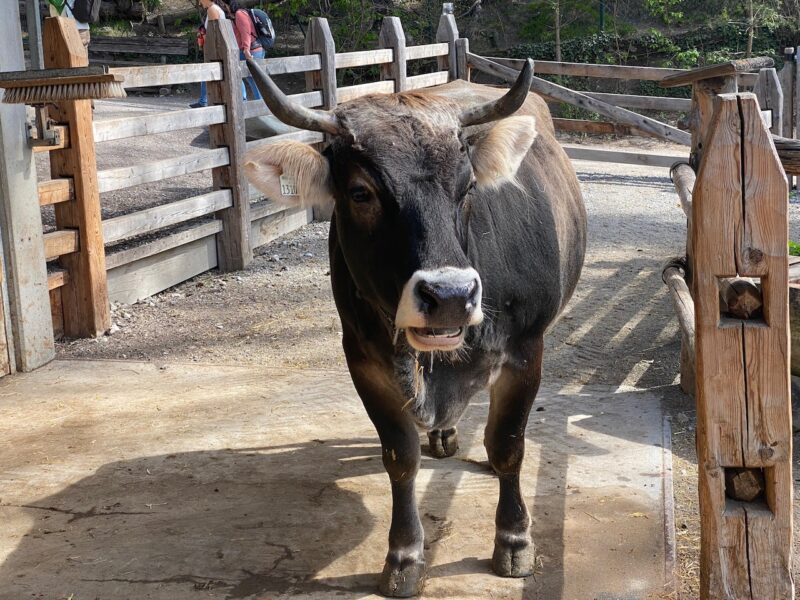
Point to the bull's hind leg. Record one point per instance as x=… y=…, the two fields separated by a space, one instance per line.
x=512 y=396
x=443 y=442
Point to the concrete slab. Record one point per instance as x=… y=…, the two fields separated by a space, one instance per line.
x=130 y=480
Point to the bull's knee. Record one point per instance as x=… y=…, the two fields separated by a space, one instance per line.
x=505 y=454
x=400 y=463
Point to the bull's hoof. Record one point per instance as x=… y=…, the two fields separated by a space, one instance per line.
x=403 y=580
x=443 y=442
x=514 y=560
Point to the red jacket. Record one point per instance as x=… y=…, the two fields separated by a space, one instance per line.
x=244 y=31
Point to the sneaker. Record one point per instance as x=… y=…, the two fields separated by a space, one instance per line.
x=197 y=105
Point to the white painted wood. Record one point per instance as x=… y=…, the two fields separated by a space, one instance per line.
x=158 y=217
x=174 y=120
x=31 y=324
x=123 y=177
x=158 y=272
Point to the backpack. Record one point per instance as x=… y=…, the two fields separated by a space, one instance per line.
x=263 y=25
x=86 y=11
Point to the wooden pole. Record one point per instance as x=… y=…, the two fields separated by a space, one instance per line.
x=233 y=242
x=770 y=98
x=674 y=277
x=786 y=77
x=448 y=33
x=392 y=36
x=85 y=296
x=744 y=410
x=33 y=19
x=25 y=281
x=462 y=63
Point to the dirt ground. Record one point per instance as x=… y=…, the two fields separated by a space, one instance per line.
x=619 y=328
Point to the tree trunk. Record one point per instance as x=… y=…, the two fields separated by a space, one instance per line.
x=557 y=19
x=750 y=29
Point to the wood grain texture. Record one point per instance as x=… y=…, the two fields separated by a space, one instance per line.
x=447 y=33
x=257 y=108
x=427 y=51
x=130 y=255
x=319 y=41
x=56 y=279
x=157 y=75
x=60 y=242
x=577 y=152
x=233 y=243
x=54 y=191
x=63 y=133
x=275 y=225
x=150 y=124
x=393 y=37
x=363 y=58
x=549 y=67
x=285 y=65
x=770 y=97
x=728 y=69
x=462 y=63
x=356 y=91
x=85 y=296
x=416 y=82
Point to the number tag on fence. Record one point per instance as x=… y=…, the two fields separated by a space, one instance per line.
x=288 y=185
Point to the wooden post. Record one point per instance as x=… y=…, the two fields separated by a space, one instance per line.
x=744 y=410
x=33 y=20
x=319 y=40
x=233 y=242
x=462 y=63
x=448 y=32
x=28 y=317
x=85 y=296
x=392 y=36
x=770 y=98
x=786 y=77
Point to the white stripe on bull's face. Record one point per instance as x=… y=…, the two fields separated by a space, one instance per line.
x=437 y=306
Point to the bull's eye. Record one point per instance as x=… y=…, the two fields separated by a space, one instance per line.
x=359 y=193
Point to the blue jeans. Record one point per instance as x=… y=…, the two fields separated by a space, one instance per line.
x=256 y=96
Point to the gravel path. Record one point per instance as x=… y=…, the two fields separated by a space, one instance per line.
x=619 y=328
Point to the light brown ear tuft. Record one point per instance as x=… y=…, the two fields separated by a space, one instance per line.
x=290 y=173
x=499 y=151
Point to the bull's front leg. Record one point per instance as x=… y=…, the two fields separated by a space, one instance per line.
x=512 y=396
x=404 y=571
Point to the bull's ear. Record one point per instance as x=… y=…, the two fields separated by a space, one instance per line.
x=498 y=152
x=291 y=173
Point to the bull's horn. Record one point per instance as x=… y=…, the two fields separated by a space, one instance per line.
x=502 y=107
x=289 y=112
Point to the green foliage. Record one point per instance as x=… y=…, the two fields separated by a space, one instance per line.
x=794 y=248
x=665 y=10
x=152 y=5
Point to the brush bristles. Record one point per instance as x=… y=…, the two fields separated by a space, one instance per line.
x=58 y=93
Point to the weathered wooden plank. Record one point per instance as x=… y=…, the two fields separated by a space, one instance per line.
x=174 y=120
x=63 y=133
x=123 y=177
x=462 y=63
x=156 y=75
x=275 y=225
x=416 y=82
x=728 y=69
x=786 y=76
x=148 y=276
x=364 y=89
x=644 y=102
x=547 y=67
x=266 y=208
x=319 y=41
x=100 y=47
x=158 y=217
x=257 y=108
x=393 y=37
x=85 y=297
x=556 y=92
x=309 y=137
x=129 y=255
x=363 y=58
x=576 y=152
x=286 y=64
x=57 y=313
x=233 y=243
x=595 y=127
x=54 y=191
x=427 y=51
x=31 y=328
x=448 y=33
x=57 y=279
x=60 y=242
x=770 y=97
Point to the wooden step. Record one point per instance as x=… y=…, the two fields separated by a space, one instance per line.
x=55 y=191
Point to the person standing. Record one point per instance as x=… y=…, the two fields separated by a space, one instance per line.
x=247 y=40
x=214 y=12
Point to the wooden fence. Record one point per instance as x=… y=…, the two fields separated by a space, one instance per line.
x=234 y=219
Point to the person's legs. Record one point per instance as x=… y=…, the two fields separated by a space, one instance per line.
x=244 y=88
x=203 y=100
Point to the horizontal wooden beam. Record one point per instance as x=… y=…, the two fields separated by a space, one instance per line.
x=309 y=137
x=644 y=102
x=57 y=279
x=363 y=58
x=427 y=51
x=789 y=153
x=728 y=69
x=54 y=191
x=619 y=156
x=150 y=124
x=124 y=177
x=356 y=91
x=155 y=75
x=416 y=82
x=63 y=133
x=275 y=225
x=560 y=93
x=546 y=67
x=60 y=242
x=595 y=127
x=286 y=64
x=130 y=255
x=164 y=215
x=265 y=208
x=257 y=108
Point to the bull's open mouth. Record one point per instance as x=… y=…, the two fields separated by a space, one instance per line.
x=429 y=338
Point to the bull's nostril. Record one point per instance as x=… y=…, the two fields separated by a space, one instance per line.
x=472 y=292
x=427 y=295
